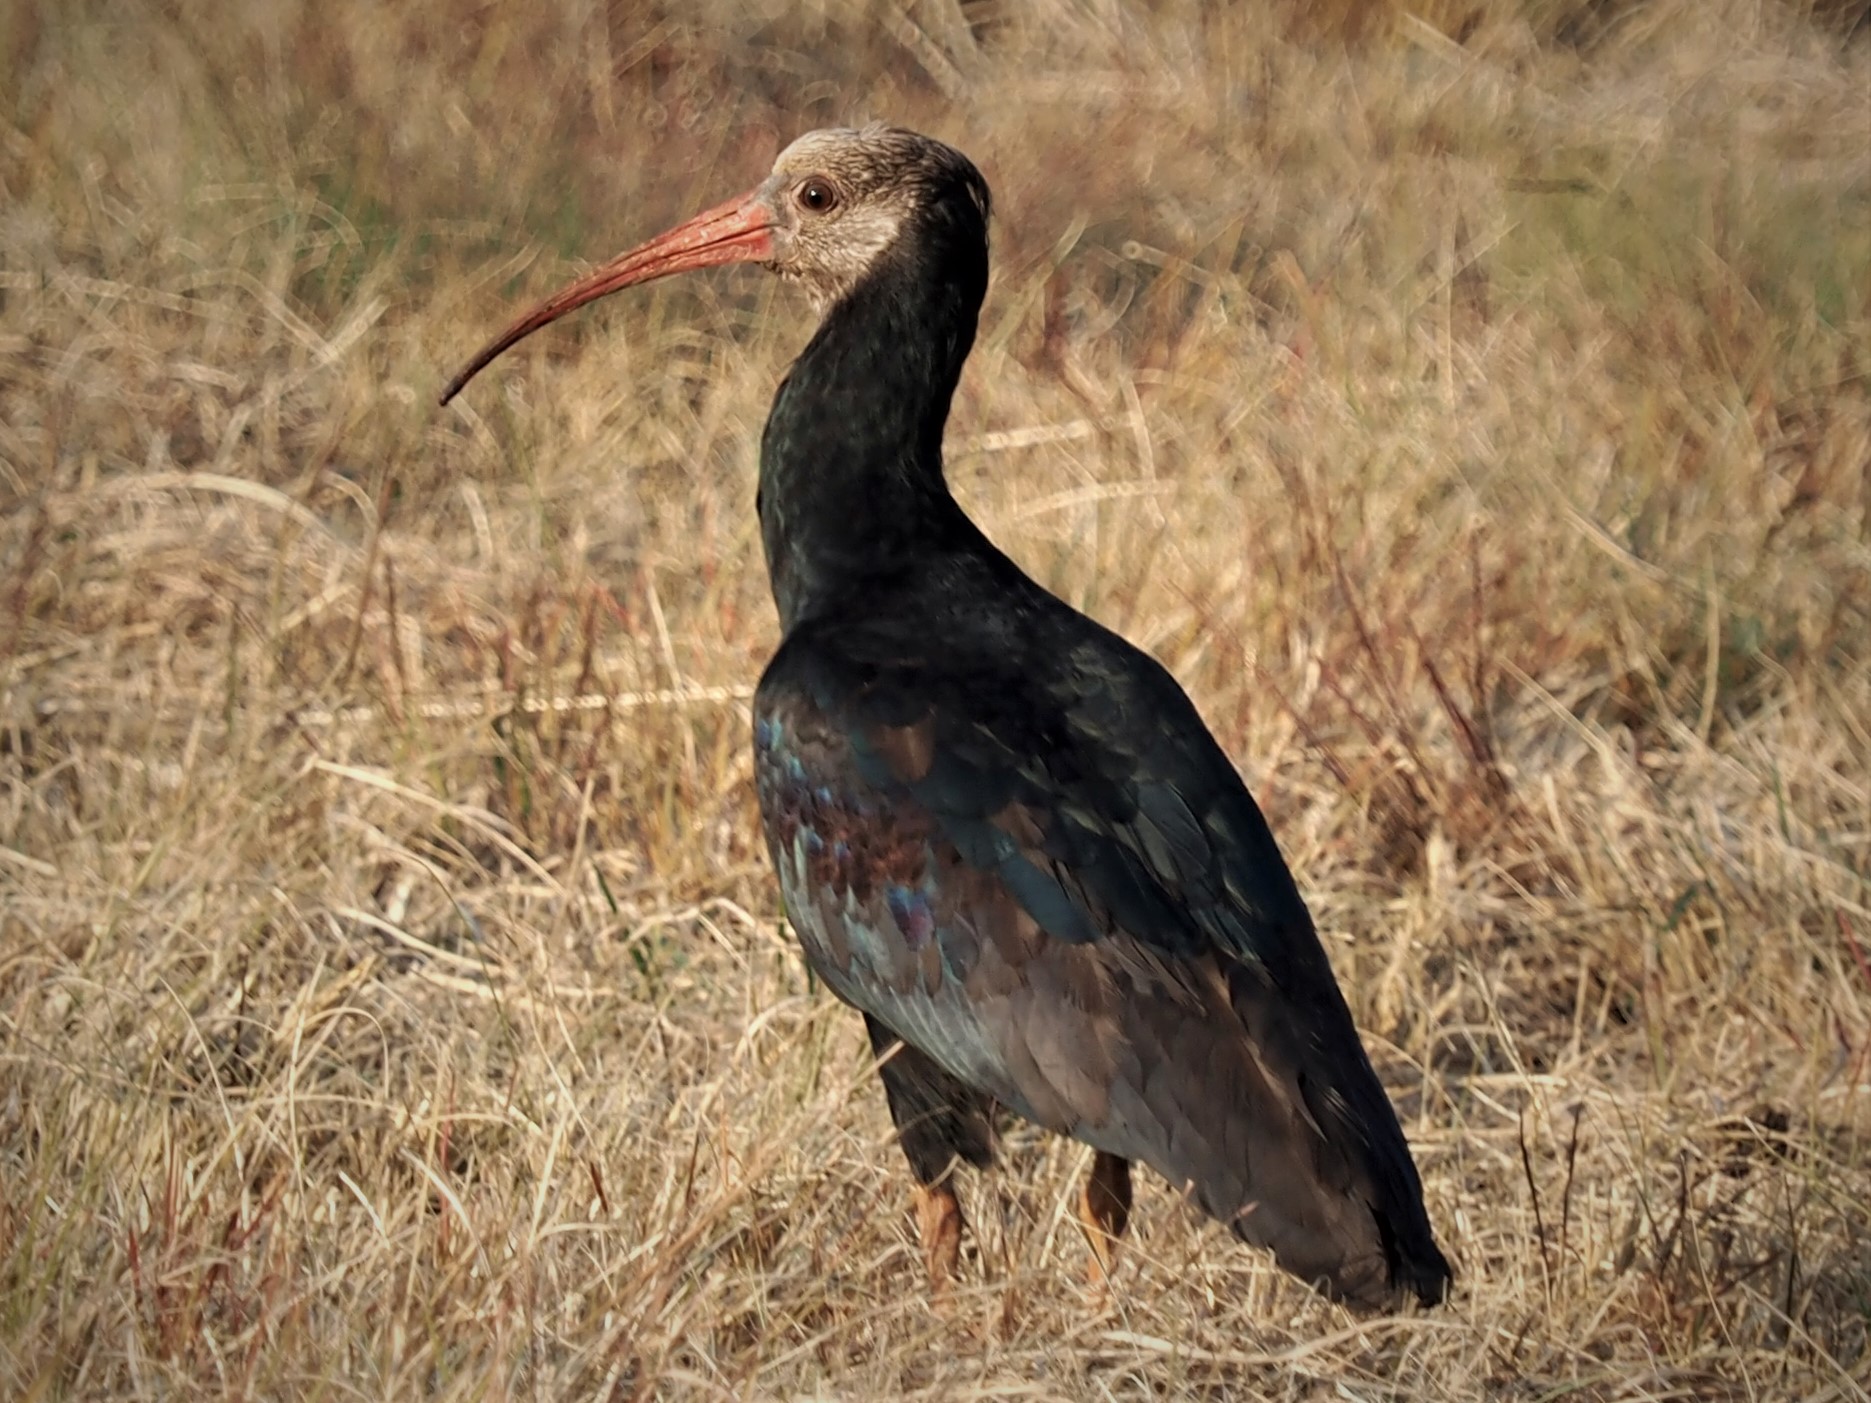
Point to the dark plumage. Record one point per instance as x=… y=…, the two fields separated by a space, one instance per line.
x=1001 y=831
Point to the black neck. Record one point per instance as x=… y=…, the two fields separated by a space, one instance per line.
x=851 y=484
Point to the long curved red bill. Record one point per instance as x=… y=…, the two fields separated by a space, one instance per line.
x=739 y=231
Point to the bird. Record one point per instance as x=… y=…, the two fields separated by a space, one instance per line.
x=1001 y=832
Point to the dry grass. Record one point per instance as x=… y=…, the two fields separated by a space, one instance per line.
x=393 y=996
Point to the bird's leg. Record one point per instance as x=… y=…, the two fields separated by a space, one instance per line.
x=940 y=1123
x=938 y=1223
x=1104 y=1210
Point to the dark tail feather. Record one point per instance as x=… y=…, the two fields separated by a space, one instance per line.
x=1362 y=1165
x=1361 y=1121
x=1418 y=1269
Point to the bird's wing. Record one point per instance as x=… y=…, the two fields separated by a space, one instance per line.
x=1053 y=882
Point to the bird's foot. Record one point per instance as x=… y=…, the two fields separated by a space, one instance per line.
x=1104 y=1213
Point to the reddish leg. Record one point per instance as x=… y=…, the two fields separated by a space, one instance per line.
x=938 y=1223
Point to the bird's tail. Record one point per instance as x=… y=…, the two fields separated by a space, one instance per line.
x=1280 y=1129
x=1351 y=1164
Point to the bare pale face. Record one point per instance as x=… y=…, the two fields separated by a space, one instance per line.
x=838 y=201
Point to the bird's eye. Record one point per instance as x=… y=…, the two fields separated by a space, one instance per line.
x=818 y=195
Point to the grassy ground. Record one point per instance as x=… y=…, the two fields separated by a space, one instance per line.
x=1470 y=408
